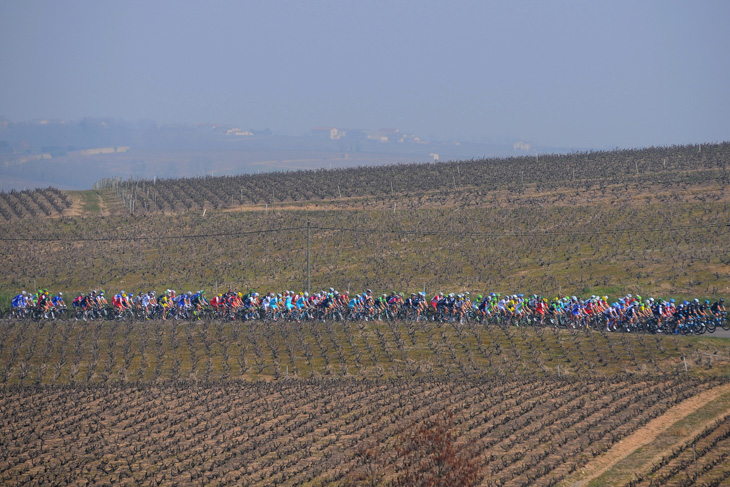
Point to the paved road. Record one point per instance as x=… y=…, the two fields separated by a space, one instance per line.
x=720 y=333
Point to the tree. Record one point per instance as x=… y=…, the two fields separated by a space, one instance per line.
x=427 y=456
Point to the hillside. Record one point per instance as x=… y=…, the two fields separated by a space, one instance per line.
x=659 y=232
x=329 y=403
x=469 y=183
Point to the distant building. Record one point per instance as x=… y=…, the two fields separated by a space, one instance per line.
x=328 y=132
x=239 y=133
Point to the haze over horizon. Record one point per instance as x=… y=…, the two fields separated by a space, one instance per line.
x=619 y=74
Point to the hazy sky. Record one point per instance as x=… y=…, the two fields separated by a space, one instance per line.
x=571 y=73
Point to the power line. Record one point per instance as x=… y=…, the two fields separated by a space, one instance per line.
x=146 y=237
x=375 y=231
x=522 y=234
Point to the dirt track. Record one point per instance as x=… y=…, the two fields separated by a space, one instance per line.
x=646 y=435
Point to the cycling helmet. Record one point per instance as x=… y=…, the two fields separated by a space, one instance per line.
x=60 y=294
x=707 y=302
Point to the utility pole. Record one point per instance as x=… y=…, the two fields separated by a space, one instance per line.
x=308 y=238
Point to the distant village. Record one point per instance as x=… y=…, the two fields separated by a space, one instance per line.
x=384 y=135
x=380 y=135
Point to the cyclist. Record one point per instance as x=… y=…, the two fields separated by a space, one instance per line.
x=146 y=303
x=198 y=300
x=58 y=302
x=44 y=303
x=216 y=302
x=420 y=304
x=20 y=303
x=435 y=300
x=117 y=301
x=718 y=307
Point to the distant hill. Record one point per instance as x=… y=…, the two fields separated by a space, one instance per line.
x=76 y=154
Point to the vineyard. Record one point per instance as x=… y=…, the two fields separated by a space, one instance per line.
x=613 y=250
x=48 y=202
x=473 y=225
x=310 y=432
x=218 y=402
x=60 y=353
x=710 y=449
x=231 y=403
x=475 y=181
